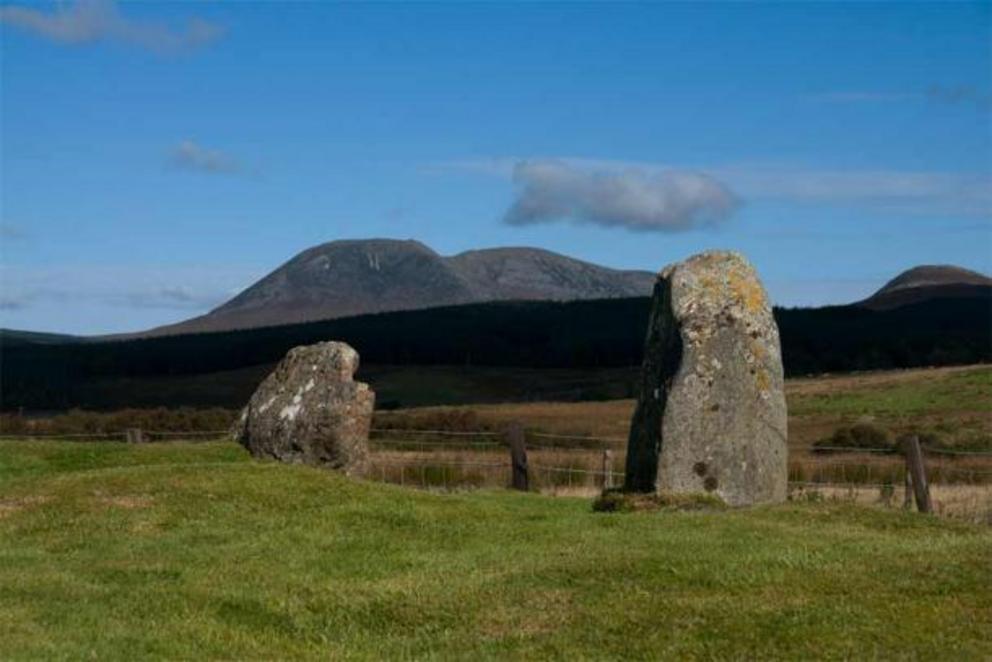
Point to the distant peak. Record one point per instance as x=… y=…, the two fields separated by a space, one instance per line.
x=928 y=275
x=374 y=243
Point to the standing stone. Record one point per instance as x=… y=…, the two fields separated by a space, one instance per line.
x=310 y=411
x=711 y=416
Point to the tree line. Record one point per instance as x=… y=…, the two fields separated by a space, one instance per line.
x=578 y=334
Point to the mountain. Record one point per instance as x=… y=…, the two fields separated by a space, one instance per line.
x=924 y=316
x=357 y=277
x=928 y=282
x=13 y=337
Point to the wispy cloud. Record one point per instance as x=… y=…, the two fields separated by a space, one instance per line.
x=189 y=155
x=894 y=191
x=89 y=21
x=632 y=198
x=10 y=232
x=193 y=289
x=177 y=297
x=963 y=95
x=864 y=97
x=9 y=303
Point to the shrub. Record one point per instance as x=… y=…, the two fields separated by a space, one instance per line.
x=618 y=501
x=78 y=421
x=613 y=501
x=856 y=437
x=457 y=420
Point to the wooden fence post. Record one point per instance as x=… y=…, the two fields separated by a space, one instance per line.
x=907 y=497
x=518 y=456
x=914 y=462
x=607 y=469
x=134 y=435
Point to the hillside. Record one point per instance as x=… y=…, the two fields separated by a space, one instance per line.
x=13 y=337
x=928 y=282
x=356 y=277
x=587 y=349
x=193 y=551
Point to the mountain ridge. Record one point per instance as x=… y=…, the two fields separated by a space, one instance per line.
x=352 y=277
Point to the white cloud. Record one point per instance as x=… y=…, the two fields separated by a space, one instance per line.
x=630 y=197
x=89 y=21
x=900 y=192
x=191 y=156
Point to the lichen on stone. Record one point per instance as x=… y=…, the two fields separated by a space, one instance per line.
x=309 y=410
x=711 y=320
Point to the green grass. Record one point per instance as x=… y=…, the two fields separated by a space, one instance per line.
x=963 y=391
x=193 y=551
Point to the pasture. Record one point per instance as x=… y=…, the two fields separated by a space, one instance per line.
x=194 y=550
x=185 y=550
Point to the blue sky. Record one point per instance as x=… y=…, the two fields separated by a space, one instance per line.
x=158 y=157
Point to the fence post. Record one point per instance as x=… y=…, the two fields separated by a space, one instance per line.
x=134 y=436
x=907 y=497
x=914 y=462
x=607 y=469
x=518 y=456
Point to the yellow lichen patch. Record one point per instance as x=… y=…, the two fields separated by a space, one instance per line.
x=746 y=290
x=707 y=283
x=762 y=381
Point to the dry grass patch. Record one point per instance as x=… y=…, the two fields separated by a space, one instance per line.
x=13 y=505
x=126 y=501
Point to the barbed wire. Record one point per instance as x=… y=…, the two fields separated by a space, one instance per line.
x=851 y=449
x=846 y=486
x=171 y=433
x=440 y=433
x=434 y=463
x=549 y=435
x=590 y=472
x=948 y=451
x=399 y=440
x=56 y=436
x=445 y=444
x=566 y=449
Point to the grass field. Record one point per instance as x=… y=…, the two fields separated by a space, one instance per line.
x=951 y=406
x=953 y=403
x=111 y=551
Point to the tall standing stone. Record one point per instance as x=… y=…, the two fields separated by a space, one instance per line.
x=711 y=416
x=309 y=410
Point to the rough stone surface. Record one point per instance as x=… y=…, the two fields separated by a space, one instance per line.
x=711 y=416
x=310 y=411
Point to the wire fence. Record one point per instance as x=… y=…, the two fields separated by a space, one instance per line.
x=582 y=465
x=131 y=436
x=438 y=459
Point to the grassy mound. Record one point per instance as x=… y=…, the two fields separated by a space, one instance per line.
x=618 y=501
x=193 y=551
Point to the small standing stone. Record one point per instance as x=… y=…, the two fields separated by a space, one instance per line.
x=711 y=416
x=310 y=411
